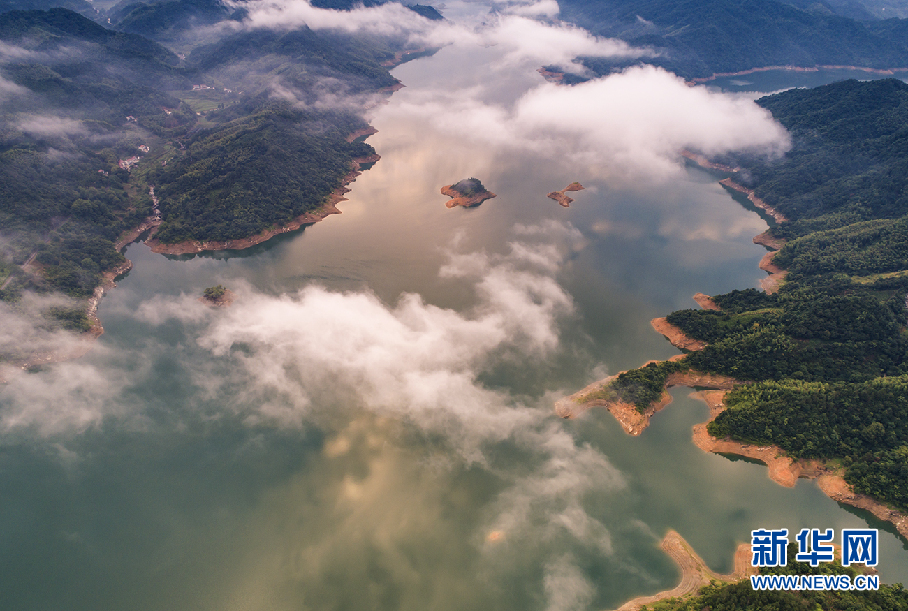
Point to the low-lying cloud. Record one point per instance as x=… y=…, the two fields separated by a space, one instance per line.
x=412 y=360
x=515 y=29
x=49 y=126
x=304 y=359
x=626 y=126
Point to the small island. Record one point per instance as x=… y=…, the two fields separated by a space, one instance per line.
x=217 y=296
x=562 y=198
x=468 y=192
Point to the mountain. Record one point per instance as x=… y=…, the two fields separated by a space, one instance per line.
x=167 y=20
x=697 y=38
x=247 y=133
x=850 y=157
x=70 y=85
x=82 y=7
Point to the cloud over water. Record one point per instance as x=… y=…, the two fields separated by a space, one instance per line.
x=396 y=391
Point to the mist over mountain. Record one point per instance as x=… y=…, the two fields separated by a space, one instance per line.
x=82 y=7
x=92 y=118
x=699 y=38
x=168 y=20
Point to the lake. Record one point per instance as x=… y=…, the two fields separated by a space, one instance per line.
x=370 y=424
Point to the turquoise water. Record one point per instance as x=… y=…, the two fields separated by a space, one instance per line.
x=328 y=442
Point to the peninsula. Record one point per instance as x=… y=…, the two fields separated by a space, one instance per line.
x=468 y=192
x=817 y=360
x=328 y=208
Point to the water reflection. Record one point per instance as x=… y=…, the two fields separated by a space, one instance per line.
x=240 y=460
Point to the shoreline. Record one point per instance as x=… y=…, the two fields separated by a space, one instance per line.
x=366 y=131
x=694 y=572
x=769 y=241
x=150 y=224
x=84 y=340
x=401 y=57
x=777 y=216
x=551 y=76
x=786 y=471
x=676 y=336
x=706 y=302
x=717 y=75
x=308 y=218
x=704 y=162
x=632 y=420
x=771 y=283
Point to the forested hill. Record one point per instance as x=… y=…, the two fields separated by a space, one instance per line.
x=169 y=19
x=230 y=137
x=301 y=57
x=51 y=29
x=827 y=355
x=697 y=38
x=70 y=86
x=850 y=157
x=82 y=7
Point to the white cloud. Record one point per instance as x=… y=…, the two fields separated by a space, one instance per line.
x=308 y=358
x=412 y=360
x=68 y=398
x=26 y=329
x=44 y=125
x=527 y=39
x=10 y=52
x=391 y=19
x=543 y=8
x=516 y=31
x=566 y=587
x=9 y=89
x=624 y=127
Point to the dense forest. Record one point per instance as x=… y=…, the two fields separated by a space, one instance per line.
x=234 y=138
x=64 y=200
x=740 y=596
x=254 y=172
x=826 y=358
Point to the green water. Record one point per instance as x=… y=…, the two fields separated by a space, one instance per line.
x=341 y=449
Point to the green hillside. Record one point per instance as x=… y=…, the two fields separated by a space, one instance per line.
x=827 y=357
x=696 y=38
x=228 y=155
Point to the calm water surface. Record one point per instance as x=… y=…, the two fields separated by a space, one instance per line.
x=199 y=481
